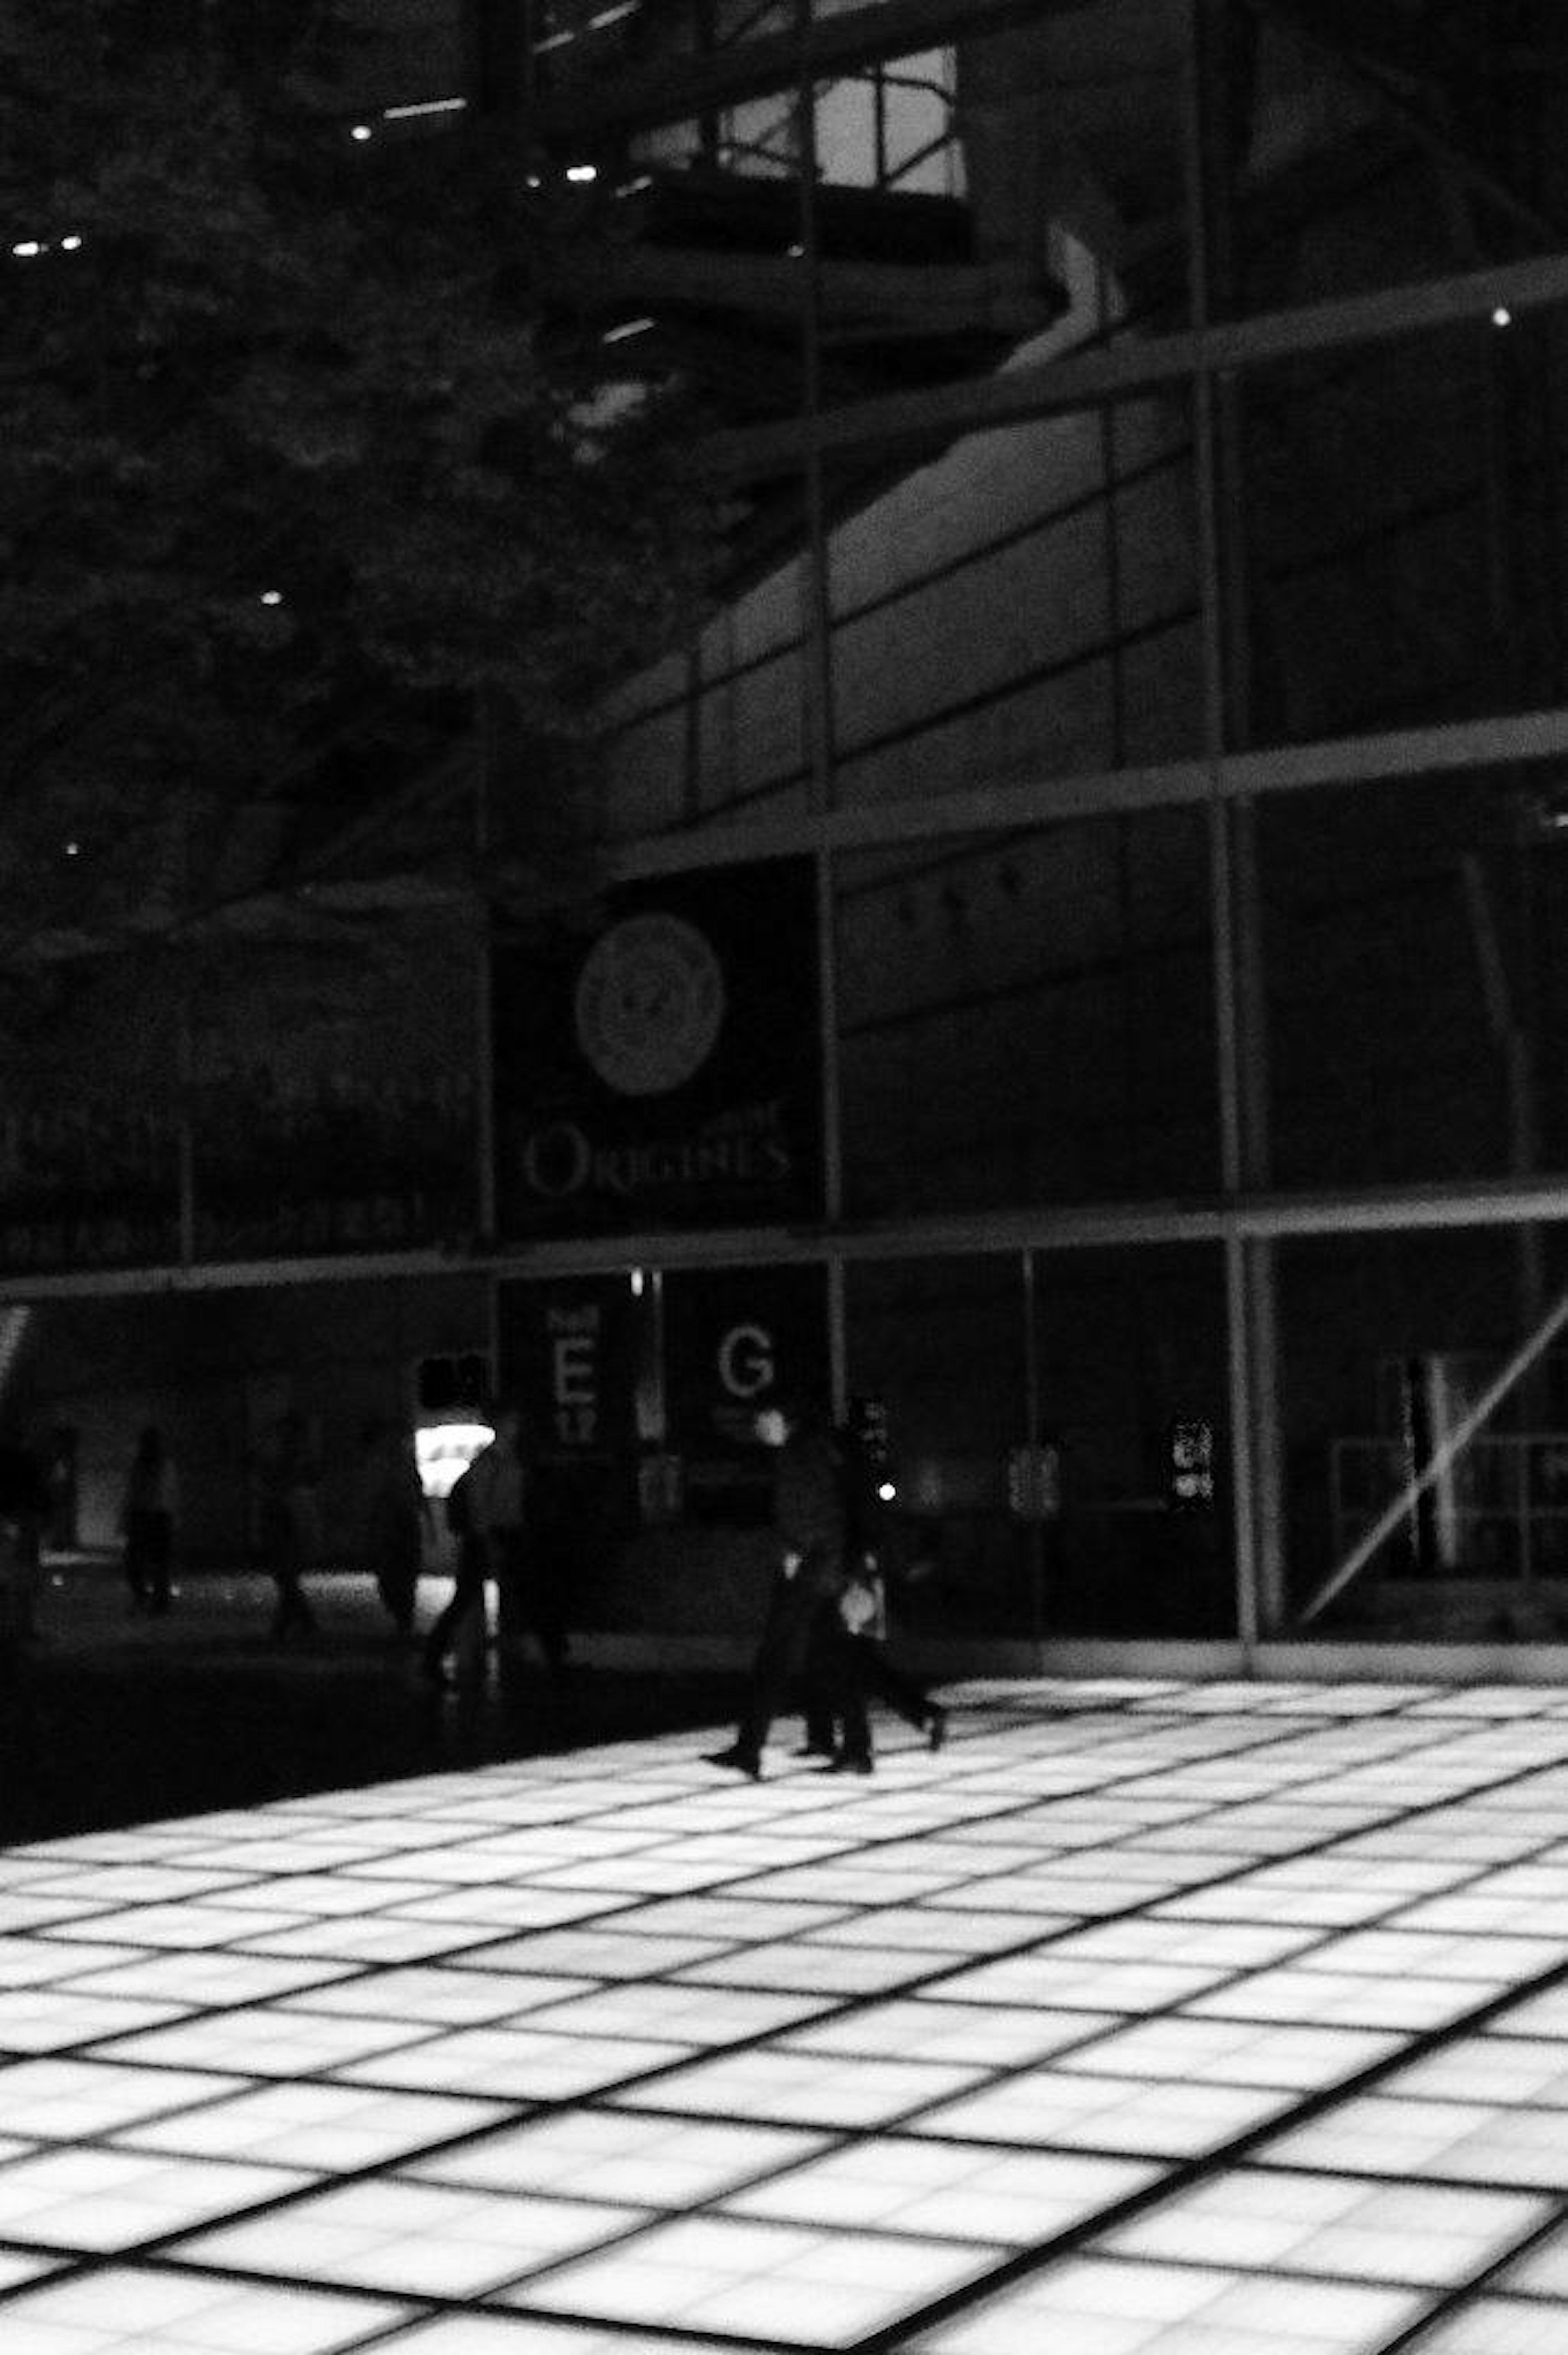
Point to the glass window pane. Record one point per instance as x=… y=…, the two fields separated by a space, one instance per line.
x=941 y=1343
x=1416 y=978
x=1404 y=526
x=1388 y=1344
x=1133 y=1389
x=1029 y=1018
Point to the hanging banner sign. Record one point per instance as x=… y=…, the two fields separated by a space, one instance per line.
x=666 y=1072
x=739 y=1341
x=568 y=1357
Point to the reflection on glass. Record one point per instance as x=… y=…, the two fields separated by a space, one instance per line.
x=1450 y=1519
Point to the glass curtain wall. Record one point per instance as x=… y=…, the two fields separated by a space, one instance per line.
x=1057 y=1437
x=1178 y=1126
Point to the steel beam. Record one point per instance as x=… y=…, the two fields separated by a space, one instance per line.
x=1517 y=738
x=1135 y=368
x=1501 y=1202
x=696 y=82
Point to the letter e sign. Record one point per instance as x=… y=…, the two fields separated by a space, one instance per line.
x=573 y=1388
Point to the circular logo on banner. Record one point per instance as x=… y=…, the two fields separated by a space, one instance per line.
x=649 y=1004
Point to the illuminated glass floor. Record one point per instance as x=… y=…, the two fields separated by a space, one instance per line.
x=1145 y=2018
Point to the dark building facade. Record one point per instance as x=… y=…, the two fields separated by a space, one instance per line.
x=1078 y=958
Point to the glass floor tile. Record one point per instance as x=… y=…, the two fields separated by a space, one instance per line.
x=56 y=2100
x=615 y=2154
x=1148 y=2018
x=520 y=2064
x=1498 y=2325
x=1272 y=2221
x=265 y=2042
x=15 y=2267
x=1102 y=2306
x=328 y=2129
x=749 y=2280
x=517 y=2334
x=129 y=2310
x=100 y=2200
x=38 y=2020
x=421 y=2239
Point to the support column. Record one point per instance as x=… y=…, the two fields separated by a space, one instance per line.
x=1032 y=1418
x=1216 y=126
x=817 y=697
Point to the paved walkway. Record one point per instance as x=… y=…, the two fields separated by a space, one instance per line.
x=114 y=1718
x=1143 y=2019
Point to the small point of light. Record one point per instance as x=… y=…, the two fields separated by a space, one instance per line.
x=795 y=253
x=581 y=172
x=70 y=245
x=627 y=327
x=1502 y=316
x=639 y=1283
x=533 y=179
x=888 y=1490
x=28 y=250
x=271 y=596
x=361 y=132
x=73 y=851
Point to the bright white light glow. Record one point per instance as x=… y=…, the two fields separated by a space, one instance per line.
x=271 y=596
x=28 y=250
x=444 y=1450
x=361 y=132
x=627 y=327
x=582 y=172
x=1502 y=316
x=70 y=244
x=886 y=1491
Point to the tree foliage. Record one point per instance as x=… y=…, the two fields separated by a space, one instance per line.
x=286 y=441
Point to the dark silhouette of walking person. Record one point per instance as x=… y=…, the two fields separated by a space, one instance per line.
x=288 y=1475
x=23 y=1512
x=498 y=1491
x=860 y=1669
x=147 y=1522
x=809 y=1513
x=392 y=1517
x=469 y=1580
x=555 y=1517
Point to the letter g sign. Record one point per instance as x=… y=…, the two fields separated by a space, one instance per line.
x=746 y=1365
